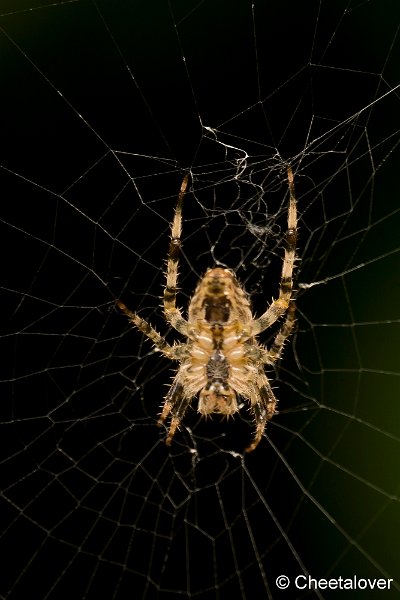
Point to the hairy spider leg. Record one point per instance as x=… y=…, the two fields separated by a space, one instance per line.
x=274 y=353
x=173 y=314
x=263 y=409
x=149 y=331
x=279 y=307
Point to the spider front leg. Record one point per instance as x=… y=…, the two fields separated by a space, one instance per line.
x=281 y=305
x=173 y=314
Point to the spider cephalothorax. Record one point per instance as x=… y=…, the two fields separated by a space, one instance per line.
x=221 y=359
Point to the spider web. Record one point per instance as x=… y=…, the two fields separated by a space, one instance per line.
x=105 y=106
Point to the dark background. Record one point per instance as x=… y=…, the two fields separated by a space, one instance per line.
x=104 y=107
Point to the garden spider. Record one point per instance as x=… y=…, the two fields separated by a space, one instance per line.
x=221 y=358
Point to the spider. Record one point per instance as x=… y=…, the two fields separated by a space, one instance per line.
x=221 y=359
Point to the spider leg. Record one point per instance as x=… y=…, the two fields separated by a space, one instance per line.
x=263 y=407
x=173 y=314
x=274 y=353
x=176 y=402
x=172 y=352
x=279 y=307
